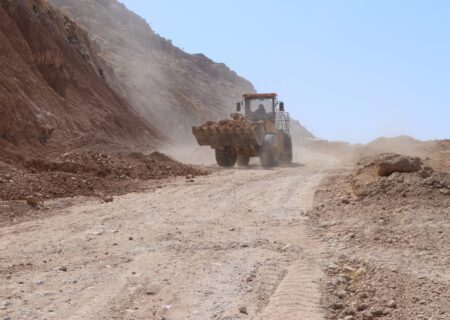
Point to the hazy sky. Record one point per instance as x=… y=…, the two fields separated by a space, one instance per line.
x=348 y=70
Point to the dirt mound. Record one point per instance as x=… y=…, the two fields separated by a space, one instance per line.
x=394 y=174
x=87 y=174
x=392 y=143
x=389 y=237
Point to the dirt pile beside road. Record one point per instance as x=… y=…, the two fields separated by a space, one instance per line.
x=397 y=175
x=87 y=174
x=389 y=239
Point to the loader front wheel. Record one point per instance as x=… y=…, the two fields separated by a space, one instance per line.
x=243 y=161
x=268 y=155
x=226 y=157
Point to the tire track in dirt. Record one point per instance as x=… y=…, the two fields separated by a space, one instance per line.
x=297 y=294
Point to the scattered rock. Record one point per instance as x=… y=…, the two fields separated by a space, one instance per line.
x=4 y=304
x=343 y=278
x=108 y=199
x=348 y=269
x=391 y=304
x=366 y=316
x=332 y=266
x=361 y=307
x=32 y=201
x=426 y=172
x=445 y=191
x=341 y=294
x=150 y=292
x=349 y=311
x=96 y=232
x=376 y=312
x=336 y=306
x=243 y=310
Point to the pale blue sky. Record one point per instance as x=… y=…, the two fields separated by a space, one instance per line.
x=349 y=70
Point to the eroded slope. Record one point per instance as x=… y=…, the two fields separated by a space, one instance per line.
x=53 y=89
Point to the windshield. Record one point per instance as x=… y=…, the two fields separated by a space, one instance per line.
x=255 y=104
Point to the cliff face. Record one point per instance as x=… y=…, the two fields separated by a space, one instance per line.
x=172 y=89
x=53 y=88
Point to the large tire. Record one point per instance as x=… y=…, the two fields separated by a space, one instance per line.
x=243 y=161
x=267 y=154
x=226 y=157
x=287 y=152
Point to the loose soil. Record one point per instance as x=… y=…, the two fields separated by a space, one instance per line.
x=318 y=240
x=388 y=239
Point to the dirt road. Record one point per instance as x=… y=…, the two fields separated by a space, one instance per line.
x=228 y=246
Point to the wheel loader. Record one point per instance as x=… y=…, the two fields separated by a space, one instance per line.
x=259 y=128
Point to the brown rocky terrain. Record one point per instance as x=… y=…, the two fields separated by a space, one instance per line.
x=53 y=88
x=171 y=88
x=90 y=229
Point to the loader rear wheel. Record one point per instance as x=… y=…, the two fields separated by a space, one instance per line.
x=268 y=153
x=243 y=161
x=287 y=152
x=226 y=157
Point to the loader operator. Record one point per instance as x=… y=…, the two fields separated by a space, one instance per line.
x=260 y=113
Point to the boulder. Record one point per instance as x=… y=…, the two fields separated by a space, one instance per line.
x=33 y=201
x=389 y=163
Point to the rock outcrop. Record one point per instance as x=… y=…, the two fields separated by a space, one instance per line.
x=53 y=87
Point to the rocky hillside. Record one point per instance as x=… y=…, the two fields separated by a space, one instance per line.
x=171 y=88
x=53 y=88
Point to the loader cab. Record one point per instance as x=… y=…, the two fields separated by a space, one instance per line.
x=260 y=107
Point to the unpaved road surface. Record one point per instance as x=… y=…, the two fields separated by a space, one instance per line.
x=231 y=243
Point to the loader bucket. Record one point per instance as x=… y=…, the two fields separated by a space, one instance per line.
x=220 y=136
